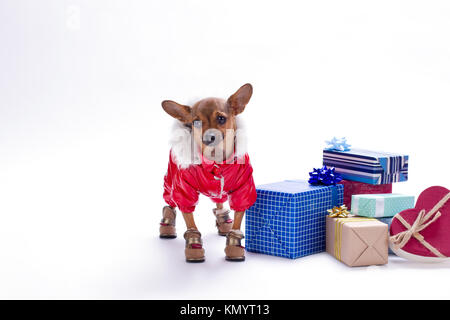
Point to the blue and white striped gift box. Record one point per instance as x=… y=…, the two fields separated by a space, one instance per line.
x=288 y=218
x=368 y=166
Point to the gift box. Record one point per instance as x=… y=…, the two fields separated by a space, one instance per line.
x=422 y=233
x=380 y=205
x=368 y=166
x=357 y=241
x=355 y=187
x=388 y=221
x=288 y=218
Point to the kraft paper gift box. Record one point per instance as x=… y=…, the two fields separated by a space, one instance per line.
x=387 y=220
x=288 y=218
x=380 y=205
x=355 y=187
x=357 y=241
x=368 y=166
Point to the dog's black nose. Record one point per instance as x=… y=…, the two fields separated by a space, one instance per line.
x=211 y=140
x=211 y=137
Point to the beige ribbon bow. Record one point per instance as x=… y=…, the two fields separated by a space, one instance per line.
x=422 y=221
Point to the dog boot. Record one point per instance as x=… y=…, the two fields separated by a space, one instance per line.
x=234 y=251
x=194 y=246
x=167 y=225
x=223 y=221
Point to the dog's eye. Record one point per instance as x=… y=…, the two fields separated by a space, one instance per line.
x=221 y=119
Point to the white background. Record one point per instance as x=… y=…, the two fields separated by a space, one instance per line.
x=83 y=137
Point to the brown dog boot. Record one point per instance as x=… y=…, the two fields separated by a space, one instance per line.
x=234 y=251
x=223 y=221
x=167 y=225
x=194 y=246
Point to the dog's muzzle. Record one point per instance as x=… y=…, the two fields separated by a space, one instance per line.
x=212 y=137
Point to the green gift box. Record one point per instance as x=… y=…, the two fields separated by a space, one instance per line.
x=380 y=205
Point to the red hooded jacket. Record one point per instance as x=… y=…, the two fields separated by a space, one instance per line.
x=220 y=182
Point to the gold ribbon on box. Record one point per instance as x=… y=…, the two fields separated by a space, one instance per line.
x=338 y=212
x=342 y=216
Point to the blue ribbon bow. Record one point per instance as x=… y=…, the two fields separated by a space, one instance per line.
x=324 y=176
x=338 y=144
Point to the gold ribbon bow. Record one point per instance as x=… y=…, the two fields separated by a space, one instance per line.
x=338 y=212
x=422 y=221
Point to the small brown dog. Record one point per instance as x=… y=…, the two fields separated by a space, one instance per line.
x=208 y=157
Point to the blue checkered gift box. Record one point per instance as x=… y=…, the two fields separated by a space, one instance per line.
x=288 y=218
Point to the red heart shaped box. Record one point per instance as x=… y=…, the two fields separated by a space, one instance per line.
x=437 y=233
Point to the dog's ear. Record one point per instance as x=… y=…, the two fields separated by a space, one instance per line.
x=178 y=111
x=240 y=98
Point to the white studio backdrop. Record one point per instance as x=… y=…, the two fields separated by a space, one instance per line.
x=83 y=137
